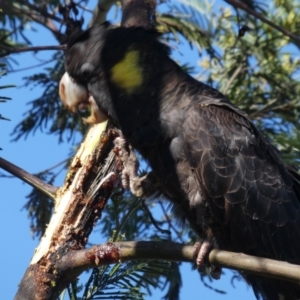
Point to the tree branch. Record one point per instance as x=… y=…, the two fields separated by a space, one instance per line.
x=101 y=10
x=237 y=71
x=10 y=50
x=32 y=180
x=163 y=250
x=241 y=5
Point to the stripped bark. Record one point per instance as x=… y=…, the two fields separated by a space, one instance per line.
x=79 y=203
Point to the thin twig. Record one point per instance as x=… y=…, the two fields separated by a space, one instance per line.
x=153 y=221
x=179 y=236
x=54 y=166
x=241 y=5
x=85 y=8
x=31 y=67
x=10 y=50
x=134 y=206
x=234 y=75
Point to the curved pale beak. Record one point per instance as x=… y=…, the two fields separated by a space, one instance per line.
x=76 y=98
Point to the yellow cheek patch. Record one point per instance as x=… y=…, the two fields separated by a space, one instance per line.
x=127 y=73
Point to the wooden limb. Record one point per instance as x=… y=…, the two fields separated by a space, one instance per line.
x=32 y=180
x=101 y=10
x=164 y=250
x=79 y=203
x=256 y=265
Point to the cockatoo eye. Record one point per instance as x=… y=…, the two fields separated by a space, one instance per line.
x=84 y=109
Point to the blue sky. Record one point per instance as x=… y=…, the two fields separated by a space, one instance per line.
x=41 y=151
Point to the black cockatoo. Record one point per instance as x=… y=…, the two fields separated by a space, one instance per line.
x=210 y=160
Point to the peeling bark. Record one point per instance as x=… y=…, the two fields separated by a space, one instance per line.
x=79 y=203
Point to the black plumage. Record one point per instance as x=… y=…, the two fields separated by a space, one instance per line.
x=211 y=161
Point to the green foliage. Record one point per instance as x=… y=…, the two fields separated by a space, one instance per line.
x=129 y=219
x=123 y=281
